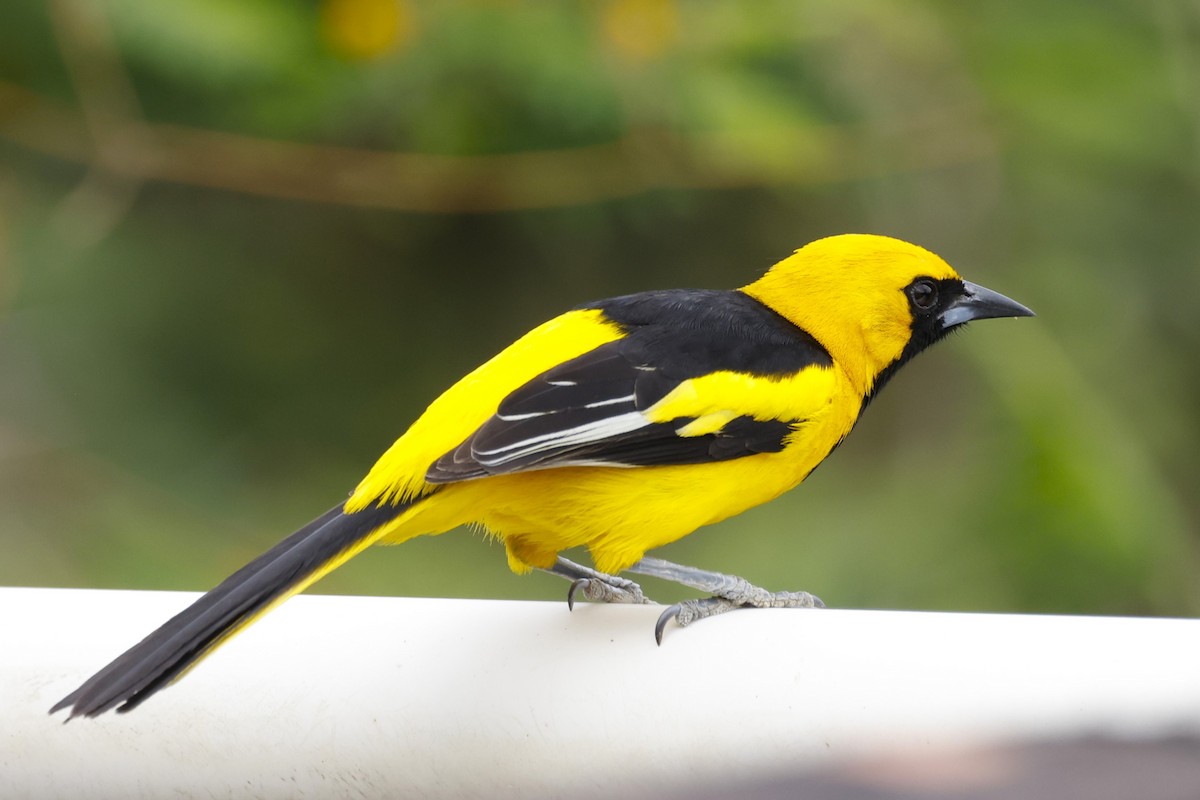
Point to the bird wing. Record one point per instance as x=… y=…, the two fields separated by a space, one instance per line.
x=698 y=377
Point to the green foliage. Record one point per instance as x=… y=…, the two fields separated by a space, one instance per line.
x=221 y=296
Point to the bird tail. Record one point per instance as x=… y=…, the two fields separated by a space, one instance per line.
x=179 y=644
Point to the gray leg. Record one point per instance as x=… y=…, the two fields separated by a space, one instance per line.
x=596 y=586
x=729 y=592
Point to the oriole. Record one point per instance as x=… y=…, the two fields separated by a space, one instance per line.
x=621 y=425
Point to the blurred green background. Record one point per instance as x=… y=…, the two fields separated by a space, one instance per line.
x=243 y=244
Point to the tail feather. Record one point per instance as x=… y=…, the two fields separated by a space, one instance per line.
x=189 y=636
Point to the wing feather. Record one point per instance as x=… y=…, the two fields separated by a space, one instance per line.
x=599 y=409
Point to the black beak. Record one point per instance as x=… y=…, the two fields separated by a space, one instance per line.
x=978 y=302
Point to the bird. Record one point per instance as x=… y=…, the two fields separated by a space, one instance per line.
x=620 y=426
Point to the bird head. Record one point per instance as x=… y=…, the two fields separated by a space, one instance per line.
x=874 y=302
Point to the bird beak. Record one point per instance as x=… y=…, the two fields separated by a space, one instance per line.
x=978 y=302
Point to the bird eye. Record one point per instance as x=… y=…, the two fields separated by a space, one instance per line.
x=923 y=294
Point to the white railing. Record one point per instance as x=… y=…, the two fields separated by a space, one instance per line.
x=391 y=697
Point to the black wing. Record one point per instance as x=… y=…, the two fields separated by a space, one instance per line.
x=590 y=410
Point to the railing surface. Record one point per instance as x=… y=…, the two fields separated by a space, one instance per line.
x=393 y=697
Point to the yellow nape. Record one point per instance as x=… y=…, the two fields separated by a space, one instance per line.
x=847 y=291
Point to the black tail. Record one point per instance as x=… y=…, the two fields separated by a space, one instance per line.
x=193 y=633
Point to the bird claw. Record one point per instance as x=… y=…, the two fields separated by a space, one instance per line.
x=671 y=613
x=576 y=585
x=689 y=611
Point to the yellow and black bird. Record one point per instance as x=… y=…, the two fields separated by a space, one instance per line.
x=621 y=425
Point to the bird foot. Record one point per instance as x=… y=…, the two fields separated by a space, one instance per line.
x=597 y=587
x=748 y=596
x=605 y=589
x=728 y=591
